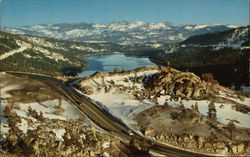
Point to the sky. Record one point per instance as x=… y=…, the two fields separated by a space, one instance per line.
x=32 y=12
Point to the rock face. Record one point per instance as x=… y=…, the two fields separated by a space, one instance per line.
x=182 y=84
x=203 y=144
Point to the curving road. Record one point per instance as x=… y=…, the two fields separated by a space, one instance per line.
x=105 y=120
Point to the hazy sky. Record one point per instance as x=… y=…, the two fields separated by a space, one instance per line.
x=31 y=12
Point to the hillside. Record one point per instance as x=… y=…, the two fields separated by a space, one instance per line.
x=46 y=55
x=223 y=54
x=37 y=120
x=124 y=33
x=232 y=38
x=174 y=107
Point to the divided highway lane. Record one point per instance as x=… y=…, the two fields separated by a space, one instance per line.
x=104 y=119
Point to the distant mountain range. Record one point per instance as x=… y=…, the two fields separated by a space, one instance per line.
x=123 y=33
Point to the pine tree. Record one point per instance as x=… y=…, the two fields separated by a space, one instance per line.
x=212 y=111
x=196 y=106
x=60 y=102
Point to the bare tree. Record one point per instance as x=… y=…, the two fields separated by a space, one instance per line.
x=231 y=127
x=167 y=63
x=208 y=77
x=116 y=70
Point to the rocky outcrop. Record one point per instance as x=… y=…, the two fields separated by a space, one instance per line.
x=164 y=81
x=122 y=73
x=182 y=84
x=200 y=143
x=240 y=148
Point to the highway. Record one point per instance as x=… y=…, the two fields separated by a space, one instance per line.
x=104 y=119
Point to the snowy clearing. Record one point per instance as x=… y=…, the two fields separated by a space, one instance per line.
x=23 y=46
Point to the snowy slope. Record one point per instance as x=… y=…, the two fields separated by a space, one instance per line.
x=48 y=108
x=120 y=94
x=235 y=39
x=8 y=44
x=30 y=53
x=122 y=105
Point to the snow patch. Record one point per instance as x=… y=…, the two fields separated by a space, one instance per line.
x=59 y=133
x=105 y=144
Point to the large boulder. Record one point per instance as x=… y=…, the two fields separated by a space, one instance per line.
x=87 y=90
x=187 y=116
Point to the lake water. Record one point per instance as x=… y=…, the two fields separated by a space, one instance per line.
x=107 y=63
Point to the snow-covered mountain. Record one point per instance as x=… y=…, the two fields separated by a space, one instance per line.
x=237 y=38
x=124 y=33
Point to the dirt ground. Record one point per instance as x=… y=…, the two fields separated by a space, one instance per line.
x=25 y=90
